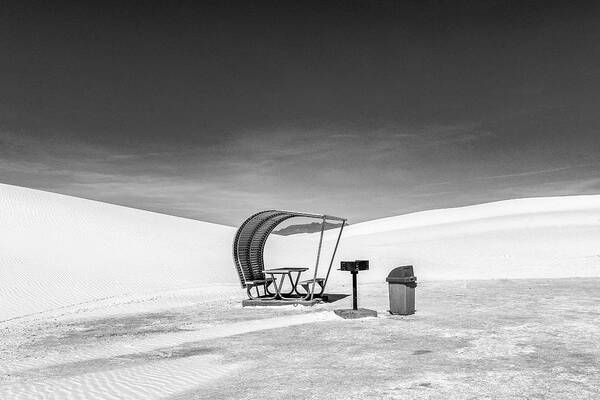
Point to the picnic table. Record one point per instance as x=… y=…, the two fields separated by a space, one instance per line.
x=283 y=272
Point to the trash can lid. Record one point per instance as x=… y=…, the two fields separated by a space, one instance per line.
x=402 y=274
x=410 y=279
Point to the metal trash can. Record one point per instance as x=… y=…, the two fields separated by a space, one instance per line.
x=402 y=283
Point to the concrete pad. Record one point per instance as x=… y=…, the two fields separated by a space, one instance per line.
x=354 y=314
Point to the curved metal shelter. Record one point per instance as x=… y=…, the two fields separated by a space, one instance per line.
x=250 y=239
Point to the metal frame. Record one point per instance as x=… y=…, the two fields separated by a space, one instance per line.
x=250 y=239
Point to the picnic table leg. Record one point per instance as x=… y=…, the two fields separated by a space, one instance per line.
x=295 y=285
x=273 y=296
x=267 y=291
x=293 y=282
x=278 y=288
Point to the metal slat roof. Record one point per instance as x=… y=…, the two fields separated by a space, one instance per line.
x=250 y=239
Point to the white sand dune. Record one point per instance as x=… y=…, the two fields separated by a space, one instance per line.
x=550 y=237
x=60 y=250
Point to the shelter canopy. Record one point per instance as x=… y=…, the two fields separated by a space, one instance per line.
x=250 y=239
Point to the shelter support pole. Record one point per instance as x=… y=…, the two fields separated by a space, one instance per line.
x=312 y=290
x=333 y=255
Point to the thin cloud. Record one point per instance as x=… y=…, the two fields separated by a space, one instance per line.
x=536 y=172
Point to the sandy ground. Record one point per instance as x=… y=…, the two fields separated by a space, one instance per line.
x=469 y=339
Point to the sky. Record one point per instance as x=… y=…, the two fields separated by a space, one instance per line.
x=361 y=109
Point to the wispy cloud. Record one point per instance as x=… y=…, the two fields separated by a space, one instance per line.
x=557 y=187
x=537 y=172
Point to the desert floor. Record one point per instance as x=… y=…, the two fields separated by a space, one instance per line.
x=469 y=339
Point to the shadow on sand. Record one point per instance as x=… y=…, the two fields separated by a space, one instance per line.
x=332 y=298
